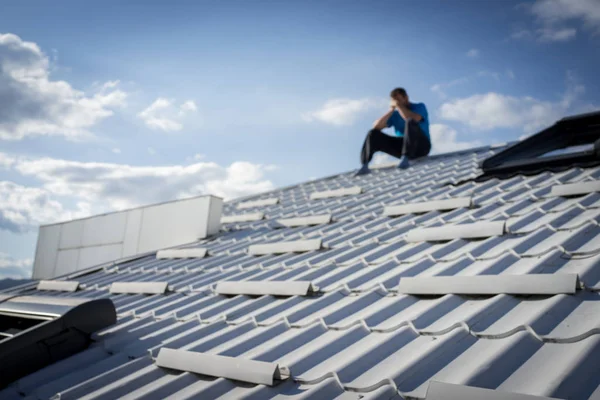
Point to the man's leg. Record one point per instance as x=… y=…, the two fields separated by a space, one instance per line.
x=415 y=143
x=378 y=141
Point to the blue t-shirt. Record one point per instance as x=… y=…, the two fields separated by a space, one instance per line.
x=398 y=122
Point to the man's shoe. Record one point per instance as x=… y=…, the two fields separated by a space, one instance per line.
x=404 y=163
x=363 y=170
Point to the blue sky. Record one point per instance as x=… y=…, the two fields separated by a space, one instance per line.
x=109 y=105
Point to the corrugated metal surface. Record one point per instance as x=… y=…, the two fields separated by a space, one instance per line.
x=358 y=337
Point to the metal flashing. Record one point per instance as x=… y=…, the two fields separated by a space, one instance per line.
x=426 y=206
x=258 y=203
x=239 y=369
x=261 y=288
x=447 y=391
x=462 y=231
x=248 y=217
x=58 y=286
x=305 y=221
x=298 y=246
x=336 y=193
x=574 y=189
x=197 y=252
x=548 y=284
x=138 y=287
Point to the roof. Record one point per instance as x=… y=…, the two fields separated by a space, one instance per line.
x=346 y=330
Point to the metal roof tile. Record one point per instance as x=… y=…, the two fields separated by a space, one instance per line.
x=336 y=193
x=197 y=252
x=138 y=287
x=359 y=336
x=285 y=247
x=258 y=203
x=464 y=231
x=420 y=207
x=490 y=284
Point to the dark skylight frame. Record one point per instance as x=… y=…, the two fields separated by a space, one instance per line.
x=573 y=140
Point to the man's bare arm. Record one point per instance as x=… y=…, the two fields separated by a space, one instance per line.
x=382 y=122
x=408 y=114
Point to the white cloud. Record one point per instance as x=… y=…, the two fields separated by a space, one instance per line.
x=14 y=269
x=556 y=34
x=163 y=115
x=494 y=110
x=445 y=139
x=99 y=187
x=473 y=53
x=553 y=12
x=24 y=208
x=32 y=104
x=555 y=19
x=188 y=106
x=343 y=112
x=382 y=158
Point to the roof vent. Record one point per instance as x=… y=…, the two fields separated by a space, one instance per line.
x=450 y=232
x=336 y=193
x=58 y=286
x=490 y=284
x=197 y=252
x=298 y=246
x=258 y=203
x=138 y=287
x=447 y=391
x=261 y=288
x=72 y=246
x=575 y=189
x=239 y=369
x=436 y=205
x=249 y=217
x=38 y=331
x=306 y=220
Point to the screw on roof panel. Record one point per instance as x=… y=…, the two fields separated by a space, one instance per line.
x=574 y=189
x=59 y=286
x=425 y=206
x=198 y=252
x=297 y=246
x=490 y=284
x=336 y=193
x=261 y=288
x=239 y=369
x=447 y=391
x=451 y=232
x=138 y=287
x=249 y=217
x=306 y=220
x=258 y=203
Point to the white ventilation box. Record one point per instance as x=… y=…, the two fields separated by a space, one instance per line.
x=71 y=246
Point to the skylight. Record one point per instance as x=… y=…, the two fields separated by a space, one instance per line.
x=572 y=140
x=36 y=331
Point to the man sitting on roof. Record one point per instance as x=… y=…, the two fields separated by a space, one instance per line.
x=411 y=124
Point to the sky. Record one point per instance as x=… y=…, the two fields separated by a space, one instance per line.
x=110 y=105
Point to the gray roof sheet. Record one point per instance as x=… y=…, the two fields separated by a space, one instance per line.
x=358 y=337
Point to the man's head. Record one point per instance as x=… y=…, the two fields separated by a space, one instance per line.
x=399 y=95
